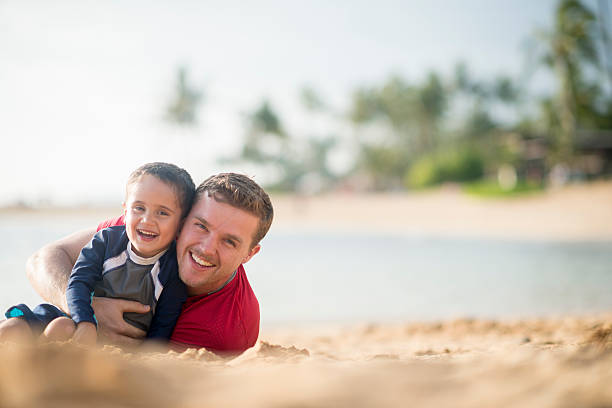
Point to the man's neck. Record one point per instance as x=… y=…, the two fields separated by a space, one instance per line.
x=210 y=292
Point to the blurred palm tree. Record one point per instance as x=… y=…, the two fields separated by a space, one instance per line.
x=183 y=108
x=570 y=50
x=408 y=121
x=299 y=164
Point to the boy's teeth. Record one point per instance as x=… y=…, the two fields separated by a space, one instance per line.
x=151 y=234
x=200 y=261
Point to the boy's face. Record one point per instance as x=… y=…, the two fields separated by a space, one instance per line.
x=152 y=215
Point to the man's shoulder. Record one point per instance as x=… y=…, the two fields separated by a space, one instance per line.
x=111 y=222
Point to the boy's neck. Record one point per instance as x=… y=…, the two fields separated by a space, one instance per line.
x=144 y=260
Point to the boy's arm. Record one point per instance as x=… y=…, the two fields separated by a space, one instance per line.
x=86 y=273
x=48 y=270
x=168 y=309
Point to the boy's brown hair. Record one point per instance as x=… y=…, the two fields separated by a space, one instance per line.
x=174 y=176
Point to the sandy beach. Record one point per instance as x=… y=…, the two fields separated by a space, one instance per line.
x=564 y=361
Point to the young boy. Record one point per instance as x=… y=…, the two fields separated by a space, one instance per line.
x=134 y=262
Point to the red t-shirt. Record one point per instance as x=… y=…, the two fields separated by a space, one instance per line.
x=226 y=321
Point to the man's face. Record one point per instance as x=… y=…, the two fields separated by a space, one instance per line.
x=216 y=238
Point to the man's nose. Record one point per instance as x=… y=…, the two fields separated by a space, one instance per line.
x=207 y=244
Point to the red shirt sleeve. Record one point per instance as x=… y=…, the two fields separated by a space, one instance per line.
x=112 y=222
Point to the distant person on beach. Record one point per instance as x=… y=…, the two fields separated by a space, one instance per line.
x=229 y=217
x=135 y=261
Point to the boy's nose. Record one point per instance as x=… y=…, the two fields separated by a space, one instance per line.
x=146 y=218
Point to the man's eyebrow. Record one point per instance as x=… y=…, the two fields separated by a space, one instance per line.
x=230 y=236
x=202 y=220
x=234 y=238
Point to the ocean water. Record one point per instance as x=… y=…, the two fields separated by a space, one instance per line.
x=310 y=278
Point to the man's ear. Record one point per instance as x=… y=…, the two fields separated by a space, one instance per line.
x=252 y=253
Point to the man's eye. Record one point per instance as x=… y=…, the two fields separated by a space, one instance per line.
x=201 y=226
x=231 y=243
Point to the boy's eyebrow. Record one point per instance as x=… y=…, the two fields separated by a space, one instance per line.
x=206 y=223
x=161 y=206
x=166 y=208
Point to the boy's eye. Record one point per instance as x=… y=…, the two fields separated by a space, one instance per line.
x=139 y=208
x=164 y=213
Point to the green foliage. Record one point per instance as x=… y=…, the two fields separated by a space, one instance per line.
x=418 y=134
x=492 y=189
x=183 y=108
x=265 y=120
x=479 y=123
x=311 y=100
x=296 y=164
x=433 y=97
x=570 y=50
x=365 y=106
x=424 y=172
x=457 y=165
x=383 y=164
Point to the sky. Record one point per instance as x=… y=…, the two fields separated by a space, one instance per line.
x=84 y=84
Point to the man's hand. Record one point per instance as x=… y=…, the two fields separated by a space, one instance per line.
x=111 y=326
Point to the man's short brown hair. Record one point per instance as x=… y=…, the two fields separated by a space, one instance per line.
x=242 y=192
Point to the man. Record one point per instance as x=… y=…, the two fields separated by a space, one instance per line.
x=229 y=217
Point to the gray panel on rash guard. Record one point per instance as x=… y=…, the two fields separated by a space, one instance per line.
x=130 y=281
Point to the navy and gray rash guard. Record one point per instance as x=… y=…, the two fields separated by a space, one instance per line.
x=108 y=267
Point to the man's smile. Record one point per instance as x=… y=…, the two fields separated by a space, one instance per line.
x=199 y=260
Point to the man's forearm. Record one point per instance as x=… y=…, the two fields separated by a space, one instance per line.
x=48 y=269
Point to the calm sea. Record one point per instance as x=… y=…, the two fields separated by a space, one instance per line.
x=304 y=278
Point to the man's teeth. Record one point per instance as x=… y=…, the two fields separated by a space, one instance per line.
x=200 y=261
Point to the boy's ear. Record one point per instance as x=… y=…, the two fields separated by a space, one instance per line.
x=124 y=209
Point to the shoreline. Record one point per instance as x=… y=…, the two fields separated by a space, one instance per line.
x=579 y=212
x=572 y=213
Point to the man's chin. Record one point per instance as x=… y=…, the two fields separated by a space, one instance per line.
x=193 y=282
